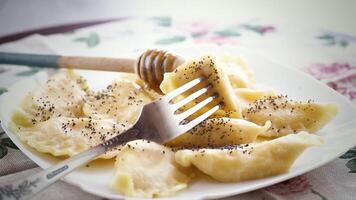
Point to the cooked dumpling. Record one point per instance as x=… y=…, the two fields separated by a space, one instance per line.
x=246 y=96
x=62 y=95
x=250 y=161
x=239 y=73
x=63 y=136
x=137 y=82
x=147 y=169
x=215 y=75
x=217 y=132
x=122 y=100
x=289 y=116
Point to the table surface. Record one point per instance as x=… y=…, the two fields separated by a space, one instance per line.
x=317 y=37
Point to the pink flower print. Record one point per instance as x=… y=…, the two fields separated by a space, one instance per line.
x=345 y=86
x=325 y=71
x=216 y=39
x=339 y=76
x=297 y=184
x=294 y=185
x=196 y=29
x=267 y=29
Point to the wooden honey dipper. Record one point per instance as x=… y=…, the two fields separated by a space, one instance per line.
x=150 y=66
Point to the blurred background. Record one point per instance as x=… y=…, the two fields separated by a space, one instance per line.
x=21 y=15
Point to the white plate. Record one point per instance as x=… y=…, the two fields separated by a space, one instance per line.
x=97 y=177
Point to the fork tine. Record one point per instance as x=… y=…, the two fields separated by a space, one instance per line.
x=195 y=108
x=191 y=97
x=199 y=119
x=169 y=96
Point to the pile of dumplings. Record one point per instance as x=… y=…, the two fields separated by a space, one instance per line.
x=254 y=128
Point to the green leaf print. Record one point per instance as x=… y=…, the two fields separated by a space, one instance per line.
x=351 y=164
x=228 y=33
x=91 y=41
x=344 y=43
x=30 y=72
x=8 y=143
x=349 y=154
x=325 y=37
x=162 y=21
x=196 y=35
x=318 y=194
x=260 y=29
x=170 y=40
x=2 y=90
x=3 y=151
x=331 y=40
x=5 y=143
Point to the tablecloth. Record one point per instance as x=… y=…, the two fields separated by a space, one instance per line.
x=326 y=54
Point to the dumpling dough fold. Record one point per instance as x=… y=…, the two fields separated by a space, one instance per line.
x=215 y=75
x=250 y=161
x=147 y=169
x=62 y=95
x=289 y=116
x=239 y=73
x=122 y=100
x=217 y=132
x=64 y=136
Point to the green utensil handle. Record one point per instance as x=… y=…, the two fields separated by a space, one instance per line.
x=33 y=60
x=75 y=62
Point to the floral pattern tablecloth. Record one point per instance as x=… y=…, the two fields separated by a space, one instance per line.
x=328 y=55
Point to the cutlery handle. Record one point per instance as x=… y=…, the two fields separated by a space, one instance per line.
x=33 y=60
x=30 y=186
x=75 y=62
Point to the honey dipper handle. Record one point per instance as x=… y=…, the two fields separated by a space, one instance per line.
x=75 y=62
x=97 y=63
x=32 y=60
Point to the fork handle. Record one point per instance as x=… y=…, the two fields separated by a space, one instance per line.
x=75 y=62
x=30 y=186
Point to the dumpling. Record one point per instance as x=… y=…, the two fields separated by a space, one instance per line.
x=250 y=161
x=63 y=136
x=239 y=73
x=147 y=169
x=217 y=132
x=214 y=73
x=122 y=100
x=139 y=83
x=289 y=116
x=246 y=96
x=62 y=95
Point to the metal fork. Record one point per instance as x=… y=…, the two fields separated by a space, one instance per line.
x=158 y=122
